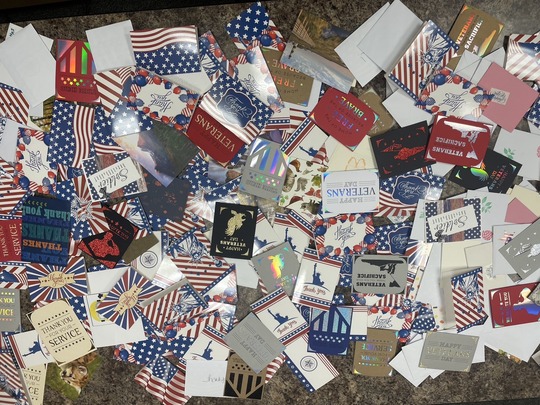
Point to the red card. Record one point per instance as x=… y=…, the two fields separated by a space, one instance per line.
x=212 y=137
x=10 y=239
x=510 y=305
x=457 y=141
x=344 y=117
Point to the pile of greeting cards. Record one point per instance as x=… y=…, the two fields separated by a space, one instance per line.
x=144 y=175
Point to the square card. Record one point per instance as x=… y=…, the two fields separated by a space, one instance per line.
x=447 y=351
x=431 y=49
x=521 y=56
x=46 y=224
x=349 y=191
x=254 y=343
x=205 y=379
x=399 y=195
x=496 y=172
x=329 y=331
x=233 y=231
x=522 y=147
x=74 y=72
x=401 y=150
x=111 y=46
x=10 y=238
x=277 y=312
x=510 y=97
x=390 y=239
x=34 y=171
x=278 y=268
x=379 y=275
x=10 y=310
x=344 y=117
x=468 y=299
x=265 y=170
x=162 y=151
x=453 y=220
x=242 y=381
x=511 y=305
x=49 y=282
x=458 y=142
x=371 y=357
x=296 y=230
x=523 y=251
x=450 y=94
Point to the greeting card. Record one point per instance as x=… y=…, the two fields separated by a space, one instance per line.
x=277 y=268
x=522 y=149
x=391 y=239
x=379 y=275
x=209 y=345
x=233 y=231
x=34 y=171
x=329 y=330
x=446 y=351
x=294 y=229
x=113 y=85
x=10 y=238
x=371 y=357
x=34 y=381
x=523 y=250
x=521 y=56
x=28 y=349
x=13 y=391
x=213 y=59
x=13 y=275
x=10 y=310
x=511 y=306
x=305 y=142
x=349 y=191
x=242 y=381
x=13 y=105
x=453 y=220
x=468 y=298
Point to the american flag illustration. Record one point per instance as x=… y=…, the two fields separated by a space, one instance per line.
x=12 y=392
x=11 y=197
x=49 y=283
x=120 y=304
x=523 y=56
x=102 y=135
x=167 y=51
x=176 y=229
x=13 y=275
x=71 y=134
x=110 y=85
x=175 y=393
x=534 y=114
x=307 y=137
x=468 y=298
x=13 y=105
x=155 y=376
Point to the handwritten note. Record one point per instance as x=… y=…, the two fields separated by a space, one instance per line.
x=205 y=378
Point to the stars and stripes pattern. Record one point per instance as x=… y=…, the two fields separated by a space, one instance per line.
x=175 y=393
x=71 y=134
x=155 y=376
x=468 y=299
x=120 y=304
x=250 y=24
x=523 y=56
x=102 y=135
x=393 y=239
x=11 y=196
x=13 y=104
x=13 y=275
x=309 y=136
x=12 y=391
x=49 y=283
x=533 y=116
x=167 y=51
x=125 y=121
x=110 y=85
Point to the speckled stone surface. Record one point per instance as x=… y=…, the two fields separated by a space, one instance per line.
x=496 y=379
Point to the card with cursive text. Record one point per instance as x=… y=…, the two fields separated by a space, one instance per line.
x=10 y=238
x=379 y=274
x=392 y=239
x=205 y=379
x=115 y=176
x=453 y=220
x=350 y=191
x=448 y=351
x=10 y=310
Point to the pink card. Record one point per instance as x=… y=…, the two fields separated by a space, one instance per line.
x=518 y=213
x=511 y=97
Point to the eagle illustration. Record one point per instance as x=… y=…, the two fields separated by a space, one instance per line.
x=235 y=222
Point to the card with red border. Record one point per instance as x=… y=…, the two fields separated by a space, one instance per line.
x=511 y=306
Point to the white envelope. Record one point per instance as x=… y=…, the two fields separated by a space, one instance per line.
x=30 y=64
x=14 y=28
x=402 y=108
x=472 y=67
x=391 y=35
x=102 y=281
x=522 y=147
x=111 y=46
x=362 y=68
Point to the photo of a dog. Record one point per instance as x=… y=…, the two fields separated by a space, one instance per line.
x=76 y=372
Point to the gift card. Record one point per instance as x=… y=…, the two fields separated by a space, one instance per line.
x=522 y=148
x=233 y=231
x=61 y=331
x=496 y=172
x=254 y=344
x=523 y=251
x=468 y=298
x=344 y=117
x=458 y=142
x=453 y=220
x=329 y=330
x=379 y=275
x=162 y=151
x=241 y=381
x=265 y=170
x=371 y=357
x=447 y=351
x=46 y=224
x=511 y=305
x=350 y=191
x=74 y=72
x=10 y=238
x=10 y=310
x=401 y=150
x=521 y=56
x=277 y=268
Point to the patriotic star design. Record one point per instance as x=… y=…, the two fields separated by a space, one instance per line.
x=249 y=25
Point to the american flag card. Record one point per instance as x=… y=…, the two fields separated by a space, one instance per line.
x=155 y=377
x=523 y=56
x=71 y=134
x=124 y=120
x=305 y=142
x=49 y=282
x=468 y=299
x=175 y=393
x=167 y=51
x=112 y=85
x=13 y=391
x=13 y=275
x=121 y=305
x=133 y=211
x=392 y=239
x=102 y=136
x=13 y=105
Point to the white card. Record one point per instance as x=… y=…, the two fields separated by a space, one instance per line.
x=205 y=378
x=523 y=147
x=102 y=281
x=8 y=139
x=14 y=28
x=403 y=110
x=111 y=46
x=493 y=207
x=116 y=176
x=350 y=191
x=452 y=222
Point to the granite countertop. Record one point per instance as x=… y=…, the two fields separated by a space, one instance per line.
x=496 y=379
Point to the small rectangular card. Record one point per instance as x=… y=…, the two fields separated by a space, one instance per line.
x=277 y=268
x=32 y=161
x=115 y=176
x=61 y=331
x=10 y=310
x=371 y=357
x=350 y=191
x=468 y=298
x=391 y=239
x=329 y=331
x=511 y=305
x=10 y=238
x=241 y=382
x=277 y=312
x=46 y=224
x=458 y=142
x=385 y=120
x=379 y=275
x=496 y=172
x=521 y=56
x=34 y=381
x=453 y=220
x=205 y=379
x=344 y=117
x=401 y=150
x=447 y=351
x=523 y=251
x=254 y=343
x=233 y=231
